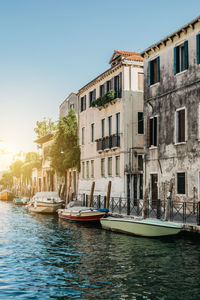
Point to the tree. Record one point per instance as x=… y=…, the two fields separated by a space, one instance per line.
x=15 y=168
x=6 y=180
x=32 y=160
x=65 y=151
x=44 y=127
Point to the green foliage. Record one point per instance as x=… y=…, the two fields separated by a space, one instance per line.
x=65 y=151
x=101 y=101
x=15 y=168
x=6 y=180
x=32 y=161
x=44 y=127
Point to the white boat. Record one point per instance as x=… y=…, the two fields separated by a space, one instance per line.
x=82 y=214
x=141 y=227
x=21 y=201
x=45 y=202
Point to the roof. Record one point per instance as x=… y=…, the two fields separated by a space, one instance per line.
x=172 y=35
x=68 y=97
x=124 y=55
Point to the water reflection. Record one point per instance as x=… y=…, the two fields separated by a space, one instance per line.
x=42 y=257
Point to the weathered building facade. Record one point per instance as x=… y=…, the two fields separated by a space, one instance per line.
x=111 y=128
x=72 y=174
x=172 y=114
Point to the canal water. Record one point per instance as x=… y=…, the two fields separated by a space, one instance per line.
x=44 y=258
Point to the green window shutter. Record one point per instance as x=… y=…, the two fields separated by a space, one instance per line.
x=198 y=50
x=175 y=60
x=149 y=73
x=158 y=68
x=186 y=55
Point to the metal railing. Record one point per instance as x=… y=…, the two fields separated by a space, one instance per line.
x=183 y=212
x=109 y=142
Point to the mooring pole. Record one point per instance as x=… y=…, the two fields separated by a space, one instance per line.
x=108 y=194
x=91 y=194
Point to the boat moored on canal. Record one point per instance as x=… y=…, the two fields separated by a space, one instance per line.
x=45 y=202
x=141 y=227
x=21 y=201
x=82 y=214
x=6 y=195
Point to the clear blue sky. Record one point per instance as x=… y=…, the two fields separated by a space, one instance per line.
x=49 y=48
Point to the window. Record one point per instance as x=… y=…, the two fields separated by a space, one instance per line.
x=87 y=169
x=140 y=123
x=117 y=166
x=117 y=86
x=92 y=133
x=103 y=167
x=198 y=48
x=140 y=162
x=153 y=71
x=108 y=85
x=92 y=168
x=181 y=57
x=103 y=127
x=92 y=96
x=180 y=126
x=83 y=169
x=83 y=136
x=83 y=103
x=109 y=166
x=109 y=125
x=117 y=123
x=180 y=183
x=140 y=81
x=152 y=129
x=101 y=90
x=71 y=106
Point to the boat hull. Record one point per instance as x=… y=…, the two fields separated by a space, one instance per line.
x=45 y=208
x=154 y=228
x=79 y=214
x=6 y=196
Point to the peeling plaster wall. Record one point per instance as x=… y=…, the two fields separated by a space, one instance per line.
x=162 y=99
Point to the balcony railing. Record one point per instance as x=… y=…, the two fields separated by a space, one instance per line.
x=108 y=142
x=106 y=98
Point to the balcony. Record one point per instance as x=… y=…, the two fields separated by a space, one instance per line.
x=107 y=98
x=107 y=143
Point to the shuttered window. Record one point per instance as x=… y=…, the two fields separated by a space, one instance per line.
x=153 y=132
x=140 y=123
x=92 y=133
x=109 y=166
x=117 y=166
x=180 y=126
x=103 y=127
x=101 y=90
x=92 y=97
x=92 y=168
x=181 y=62
x=180 y=183
x=153 y=71
x=87 y=169
x=198 y=48
x=83 y=170
x=103 y=167
x=83 y=103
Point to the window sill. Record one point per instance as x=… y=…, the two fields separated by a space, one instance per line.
x=154 y=84
x=181 y=143
x=181 y=72
x=153 y=147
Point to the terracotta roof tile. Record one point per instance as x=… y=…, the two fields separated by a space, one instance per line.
x=135 y=57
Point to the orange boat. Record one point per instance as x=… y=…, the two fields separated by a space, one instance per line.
x=6 y=195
